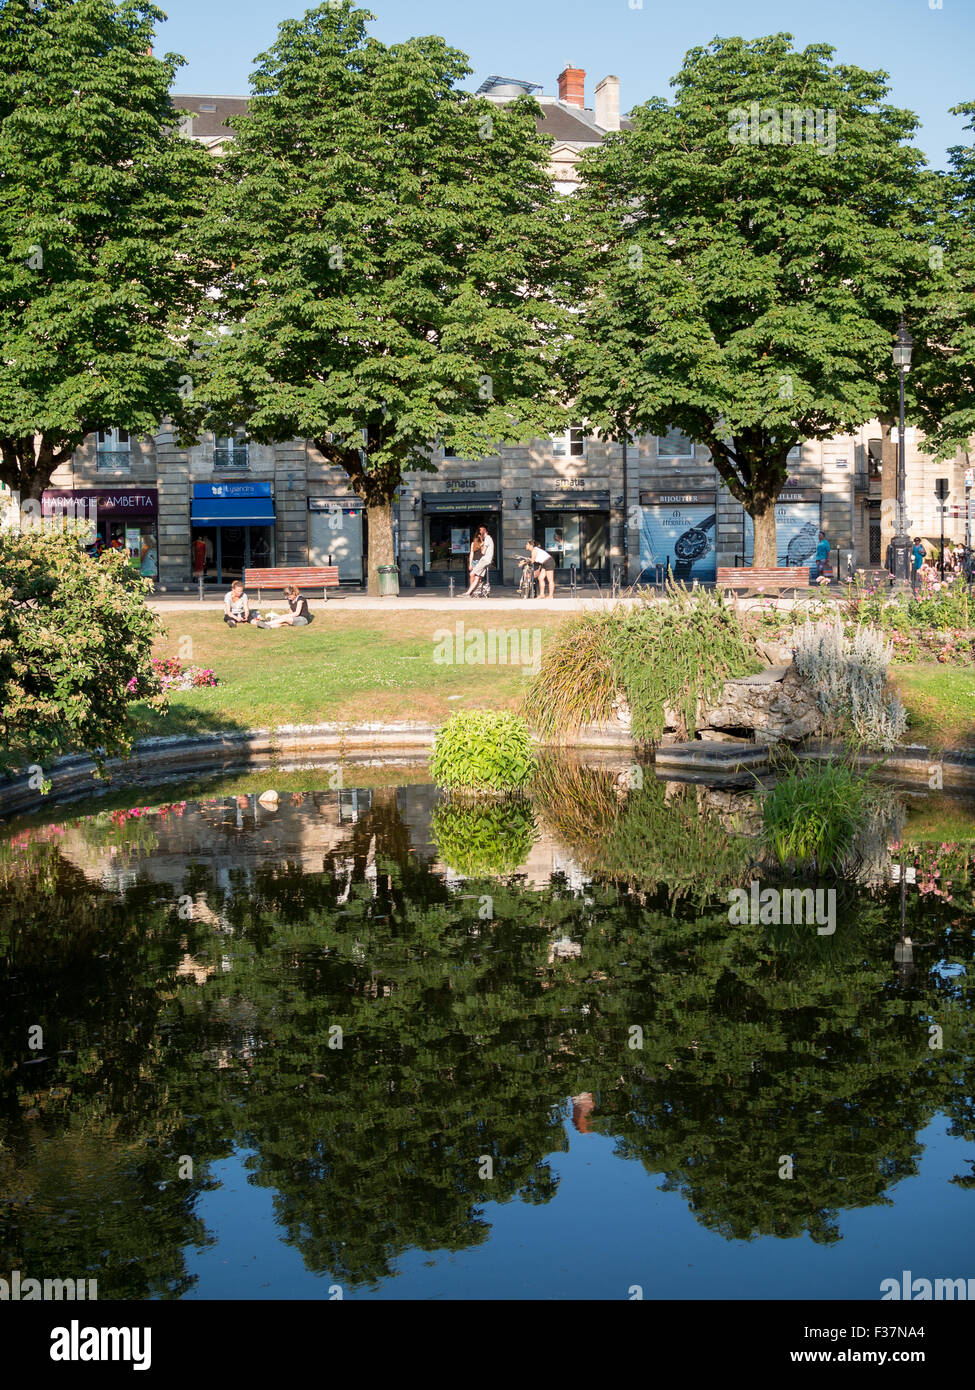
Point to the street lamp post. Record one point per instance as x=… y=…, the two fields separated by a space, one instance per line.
x=900 y=565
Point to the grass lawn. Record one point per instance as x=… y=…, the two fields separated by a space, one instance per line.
x=346 y=667
x=940 y=702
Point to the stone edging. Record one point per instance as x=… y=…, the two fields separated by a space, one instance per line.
x=155 y=760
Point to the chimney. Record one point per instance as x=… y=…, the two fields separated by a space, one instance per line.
x=572 y=86
x=607 y=104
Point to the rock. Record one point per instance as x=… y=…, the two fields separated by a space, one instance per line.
x=776 y=653
x=269 y=799
x=776 y=706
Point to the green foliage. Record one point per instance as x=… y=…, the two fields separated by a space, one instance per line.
x=747 y=293
x=670 y=655
x=480 y=750
x=98 y=277
x=478 y=840
x=655 y=654
x=812 y=815
x=798 y=1043
x=74 y=631
x=630 y=831
x=575 y=684
x=393 y=269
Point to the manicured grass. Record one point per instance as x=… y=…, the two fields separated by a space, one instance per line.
x=346 y=667
x=940 y=701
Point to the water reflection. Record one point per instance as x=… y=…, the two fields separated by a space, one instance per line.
x=371 y=1000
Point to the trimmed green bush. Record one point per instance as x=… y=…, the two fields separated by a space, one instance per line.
x=477 y=840
x=480 y=750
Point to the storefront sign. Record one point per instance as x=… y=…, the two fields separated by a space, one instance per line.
x=460 y=484
x=677 y=499
x=571 y=484
x=469 y=502
x=107 y=503
x=571 y=502
x=231 y=489
x=345 y=505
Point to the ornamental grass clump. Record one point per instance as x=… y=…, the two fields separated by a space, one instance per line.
x=483 y=751
x=668 y=656
x=576 y=683
x=813 y=815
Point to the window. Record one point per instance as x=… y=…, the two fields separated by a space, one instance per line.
x=112 y=451
x=570 y=444
x=675 y=444
x=230 y=451
x=449 y=453
x=875 y=453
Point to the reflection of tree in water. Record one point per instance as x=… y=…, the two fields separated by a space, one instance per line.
x=461 y=1039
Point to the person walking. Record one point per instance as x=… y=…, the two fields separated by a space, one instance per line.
x=918 y=554
x=481 y=566
x=545 y=567
x=822 y=555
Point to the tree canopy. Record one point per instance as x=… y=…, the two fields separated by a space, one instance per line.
x=97 y=279
x=389 y=252
x=749 y=248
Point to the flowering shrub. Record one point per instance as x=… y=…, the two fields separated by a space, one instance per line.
x=848 y=674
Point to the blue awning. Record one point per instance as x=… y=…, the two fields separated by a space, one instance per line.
x=233 y=511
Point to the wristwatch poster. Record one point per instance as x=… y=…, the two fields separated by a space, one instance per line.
x=692 y=546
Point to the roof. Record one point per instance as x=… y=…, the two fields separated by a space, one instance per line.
x=563 y=122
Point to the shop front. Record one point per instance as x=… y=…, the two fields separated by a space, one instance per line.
x=121 y=518
x=335 y=535
x=679 y=528
x=450 y=522
x=798 y=515
x=573 y=526
x=235 y=522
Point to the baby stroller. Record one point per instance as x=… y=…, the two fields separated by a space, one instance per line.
x=528 y=584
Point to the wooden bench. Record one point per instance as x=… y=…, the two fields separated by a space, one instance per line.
x=312 y=576
x=752 y=577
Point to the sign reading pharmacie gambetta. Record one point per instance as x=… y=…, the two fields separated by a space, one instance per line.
x=104 y=502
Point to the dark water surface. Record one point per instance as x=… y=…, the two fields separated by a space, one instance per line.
x=369 y=1042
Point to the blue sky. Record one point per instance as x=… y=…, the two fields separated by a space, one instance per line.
x=927 y=51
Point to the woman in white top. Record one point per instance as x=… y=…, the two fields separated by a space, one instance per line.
x=236 y=607
x=546 y=567
x=483 y=561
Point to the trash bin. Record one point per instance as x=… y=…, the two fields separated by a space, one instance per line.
x=388 y=581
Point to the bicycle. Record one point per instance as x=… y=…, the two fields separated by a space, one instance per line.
x=528 y=584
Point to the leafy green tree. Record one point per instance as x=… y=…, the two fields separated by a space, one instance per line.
x=941 y=385
x=750 y=247
x=97 y=279
x=75 y=631
x=389 y=249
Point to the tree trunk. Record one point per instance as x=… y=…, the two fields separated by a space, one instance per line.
x=766 y=552
x=379 y=519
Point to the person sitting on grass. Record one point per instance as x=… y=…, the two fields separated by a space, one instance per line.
x=298 y=615
x=236 y=607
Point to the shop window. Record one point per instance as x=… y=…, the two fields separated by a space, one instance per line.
x=112 y=451
x=675 y=444
x=571 y=443
x=230 y=451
